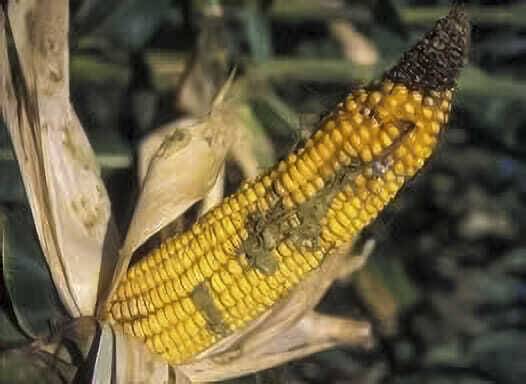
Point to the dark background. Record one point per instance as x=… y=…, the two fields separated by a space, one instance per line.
x=445 y=288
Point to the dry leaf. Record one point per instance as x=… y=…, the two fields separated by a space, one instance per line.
x=135 y=364
x=69 y=202
x=356 y=47
x=182 y=171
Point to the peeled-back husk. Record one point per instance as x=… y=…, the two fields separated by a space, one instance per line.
x=183 y=169
x=68 y=200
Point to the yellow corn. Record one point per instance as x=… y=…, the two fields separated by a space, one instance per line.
x=243 y=256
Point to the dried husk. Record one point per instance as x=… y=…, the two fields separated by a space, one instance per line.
x=135 y=364
x=68 y=200
x=182 y=171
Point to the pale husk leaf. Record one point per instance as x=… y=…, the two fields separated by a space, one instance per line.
x=135 y=364
x=183 y=170
x=68 y=200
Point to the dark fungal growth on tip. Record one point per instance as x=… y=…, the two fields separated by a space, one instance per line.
x=436 y=60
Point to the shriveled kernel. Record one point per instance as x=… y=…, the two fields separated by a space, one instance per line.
x=374 y=98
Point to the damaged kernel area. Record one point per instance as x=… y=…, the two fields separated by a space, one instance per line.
x=250 y=251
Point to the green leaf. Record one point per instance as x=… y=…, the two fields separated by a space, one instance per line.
x=501 y=355
x=17 y=367
x=134 y=22
x=257 y=30
x=10 y=333
x=26 y=276
x=386 y=13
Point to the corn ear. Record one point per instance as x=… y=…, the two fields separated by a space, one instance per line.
x=257 y=247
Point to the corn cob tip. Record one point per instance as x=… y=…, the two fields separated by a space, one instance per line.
x=435 y=61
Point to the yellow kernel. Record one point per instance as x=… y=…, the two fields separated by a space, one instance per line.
x=392 y=102
x=154 y=324
x=349 y=210
x=305 y=167
x=234 y=267
x=188 y=305
x=148 y=303
x=427 y=113
x=127 y=328
x=287 y=182
x=343 y=158
x=298 y=197
x=399 y=168
x=356 y=141
x=132 y=306
x=186 y=283
x=287 y=202
x=387 y=86
x=327 y=142
x=318 y=183
x=205 y=268
x=374 y=98
x=260 y=189
x=417 y=96
x=349 y=149
x=116 y=311
x=393 y=131
x=294 y=175
x=308 y=190
x=342 y=219
x=386 y=140
x=350 y=104
x=435 y=127
x=284 y=250
x=336 y=136
x=364 y=134
x=409 y=108
x=376 y=147
x=328 y=125
x=345 y=127
x=227 y=300
x=157 y=344
x=357 y=119
x=156 y=300
x=360 y=180
x=366 y=155
x=401 y=151
x=323 y=151
x=137 y=329
x=326 y=171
